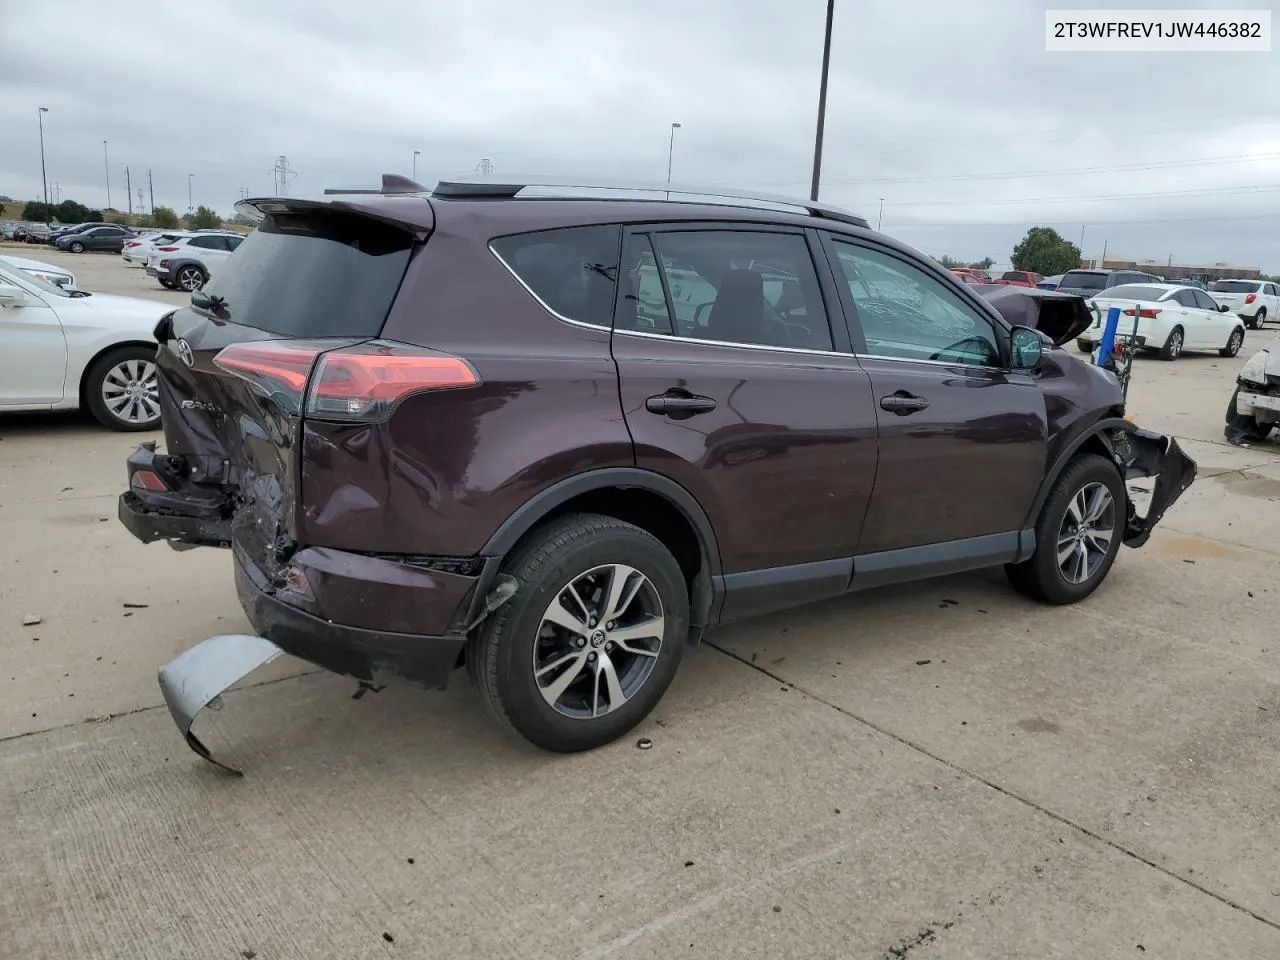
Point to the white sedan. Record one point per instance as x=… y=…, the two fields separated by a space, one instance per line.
x=1170 y=318
x=64 y=348
x=43 y=271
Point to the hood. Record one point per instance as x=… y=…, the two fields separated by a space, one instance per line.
x=129 y=306
x=22 y=263
x=1273 y=357
x=1060 y=316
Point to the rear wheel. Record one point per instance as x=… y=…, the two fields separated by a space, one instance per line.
x=1084 y=346
x=122 y=390
x=76 y=247
x=591 y=639
x=190 y=278
x=1234 y=342
x=1260 y=319
x=1172 y=348
x=1077 y=536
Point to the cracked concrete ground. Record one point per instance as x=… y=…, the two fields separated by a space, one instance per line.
x=939 y=770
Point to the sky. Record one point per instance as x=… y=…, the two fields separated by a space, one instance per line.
x=952 y=114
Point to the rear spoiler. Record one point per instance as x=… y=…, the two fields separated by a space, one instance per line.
x=406 y=209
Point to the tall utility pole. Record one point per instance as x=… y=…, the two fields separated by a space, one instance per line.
x=128 y=190
x=484 y=168
x=44 y=177
x=671 y=148
x=880 y=219
x=106 y=169
x=152 y=188
x=244 y=193
x=280 y=170
x=190 y=208
x=822 y=104
x=1082 y=240
x=416 y=154
x=141 y=193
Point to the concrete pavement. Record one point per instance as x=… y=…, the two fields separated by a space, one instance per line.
x=938 y=770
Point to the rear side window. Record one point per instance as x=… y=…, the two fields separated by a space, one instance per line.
x=315 y=274
x=206 y=243
x=573 y=272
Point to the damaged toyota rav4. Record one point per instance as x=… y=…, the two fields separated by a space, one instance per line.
x=553 y=433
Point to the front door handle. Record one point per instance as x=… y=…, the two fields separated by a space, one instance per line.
x=679 y=405
x=903 y=403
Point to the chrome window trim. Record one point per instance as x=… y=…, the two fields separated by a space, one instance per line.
x=542 y=303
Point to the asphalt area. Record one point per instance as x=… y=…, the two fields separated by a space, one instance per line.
x=942 y=770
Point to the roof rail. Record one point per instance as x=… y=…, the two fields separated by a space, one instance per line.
x=505 y=188
x=392 y=183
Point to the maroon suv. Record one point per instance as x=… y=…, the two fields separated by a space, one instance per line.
x=556 y=438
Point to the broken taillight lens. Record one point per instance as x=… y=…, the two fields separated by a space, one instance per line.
x=148 y=480
x=364 y=382
x=360 y=382
x=1149 y=312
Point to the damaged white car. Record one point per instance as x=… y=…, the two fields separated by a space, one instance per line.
x=1254 y=409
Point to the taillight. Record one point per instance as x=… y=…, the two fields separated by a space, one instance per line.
x=148 y=480
x=165 y=264
x=1250 y=298
x=360 y=383
x=1149 y=312
x=364 y=382
x=167 y=249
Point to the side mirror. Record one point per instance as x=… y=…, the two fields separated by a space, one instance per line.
x=1223 y=308
x=1026 y=348
x=12 y=297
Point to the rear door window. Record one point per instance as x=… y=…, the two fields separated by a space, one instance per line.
x=315 y=273
x=744 y=286
x=572 y=272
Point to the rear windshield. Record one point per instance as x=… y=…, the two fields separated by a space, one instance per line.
x=1013 y=275
x=1083 y=280
x=314 y=274
x=1135 y=291
x=1235 y=286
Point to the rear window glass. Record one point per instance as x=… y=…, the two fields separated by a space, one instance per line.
x=1013 y=275
x=1234 y=286
x=1084 y=281
x=572 y=271
x=1135 y=291
x=314 y=274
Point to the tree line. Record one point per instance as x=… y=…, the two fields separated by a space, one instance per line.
x=69 y=211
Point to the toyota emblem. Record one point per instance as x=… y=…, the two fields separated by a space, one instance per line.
x=184 y=351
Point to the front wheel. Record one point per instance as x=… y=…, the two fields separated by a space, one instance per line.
x=190 y=279
x=123 y=391
x=1234 y=343
x=1172 y=348
x=1077 y=536
x=76 y=247
x=589 y=643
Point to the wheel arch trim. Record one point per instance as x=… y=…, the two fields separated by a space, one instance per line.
x=1096 y=430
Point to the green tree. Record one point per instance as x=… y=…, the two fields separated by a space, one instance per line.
x=983 y=264
x=949 y=262
x=1043 y=250
x=37 y=212
x=202 y=219
x=69 y=211
x=164 y=218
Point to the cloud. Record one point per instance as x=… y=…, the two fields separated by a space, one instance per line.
x=954 y=114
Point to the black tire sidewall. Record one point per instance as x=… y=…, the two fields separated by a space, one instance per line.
x=93 y=388
x=1233 y=348
x=76 y=247
x=1165 y=352
x=509 y=639
x=1053 y=586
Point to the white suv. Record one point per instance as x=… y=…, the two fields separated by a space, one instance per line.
x=187 y=262
x=1253 y=301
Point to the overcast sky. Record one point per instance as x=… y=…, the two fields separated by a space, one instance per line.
x=953 y=113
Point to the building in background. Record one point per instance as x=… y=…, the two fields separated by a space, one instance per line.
x=1172 y=271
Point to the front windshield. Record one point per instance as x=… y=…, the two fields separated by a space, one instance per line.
x=13 y=276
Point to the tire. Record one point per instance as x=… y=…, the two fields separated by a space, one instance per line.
x=167 y=284
x=1042 y=577
x=1084 y=346
x=1234 y=343
x=1172 y=348
x=121 y=389
x=1260 y=319
x=1240 y=428
x=577 y=551
x=76 y=247
x=190 y=278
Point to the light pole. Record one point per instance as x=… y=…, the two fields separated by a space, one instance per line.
x=822 y=104
x=190 y=208
x=671 y=146
x=44 y=177
x=415 y=163
x=1082 y=239
x=106 y=169
x=880 y=219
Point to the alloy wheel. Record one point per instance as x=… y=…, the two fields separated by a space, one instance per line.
x=1084 y=537
x=131 y=391
x=190 y=279
x=1234 y=344
x=598 y=641
x=1175 y=344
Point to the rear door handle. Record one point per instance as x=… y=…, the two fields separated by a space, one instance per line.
x=903 y=403
x=679 y=404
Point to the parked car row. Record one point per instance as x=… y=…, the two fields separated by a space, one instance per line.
x=1165 y=318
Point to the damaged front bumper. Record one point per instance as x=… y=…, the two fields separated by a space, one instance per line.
x=1145 y=453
